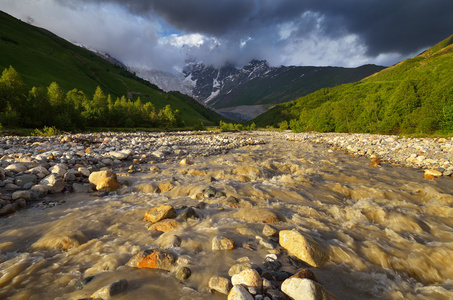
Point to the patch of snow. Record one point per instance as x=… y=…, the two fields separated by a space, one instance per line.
x=212 y=96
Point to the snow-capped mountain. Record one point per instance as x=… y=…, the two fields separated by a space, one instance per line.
x=211 y=82
x=256 y=83
x=166 y=81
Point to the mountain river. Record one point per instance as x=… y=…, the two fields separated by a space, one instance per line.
x=387 y=230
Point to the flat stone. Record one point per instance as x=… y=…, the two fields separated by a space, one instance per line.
x=165 y=225
x=121 y=155
x=159 y=213
x=434 y=173
x=21 y=195
x=256 y=215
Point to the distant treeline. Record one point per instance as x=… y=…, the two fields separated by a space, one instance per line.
x=415 y=96
x=51 y=106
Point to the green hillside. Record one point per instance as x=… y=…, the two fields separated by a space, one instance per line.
x=413 y=96
x=41 y=58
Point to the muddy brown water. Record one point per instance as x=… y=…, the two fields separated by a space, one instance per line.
x=388 y=231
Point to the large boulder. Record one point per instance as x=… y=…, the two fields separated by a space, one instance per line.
x=97 y=177
x=303 y=247
x=108 y=184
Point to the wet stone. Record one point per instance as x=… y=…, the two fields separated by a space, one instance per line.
x=269 y=230
x=183 y=273
x=80 y=284
x=303 y=247
x=158 y=260
x=209 y=192
x=222 y=243
x=188 y=213
x=220 y=284
x=238 y=268
x=159 y=213
x=111 y=290
x=248 y=278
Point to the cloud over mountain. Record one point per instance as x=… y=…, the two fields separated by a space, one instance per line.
x=298 y=32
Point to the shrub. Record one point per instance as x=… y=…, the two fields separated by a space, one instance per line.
x=46 y=131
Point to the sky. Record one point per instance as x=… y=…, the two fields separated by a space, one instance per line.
x=164 y=34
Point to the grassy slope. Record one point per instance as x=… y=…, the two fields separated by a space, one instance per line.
x=42 y=57
x=431 y=71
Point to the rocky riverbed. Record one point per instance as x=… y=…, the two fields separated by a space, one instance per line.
x=251 y=215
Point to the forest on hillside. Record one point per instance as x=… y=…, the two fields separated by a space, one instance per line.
x=415 y=96
x=51 y=106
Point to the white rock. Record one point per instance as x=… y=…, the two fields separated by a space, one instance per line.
x=238 y=292
x=304 y=289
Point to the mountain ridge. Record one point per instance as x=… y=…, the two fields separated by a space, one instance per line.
x=256 y=83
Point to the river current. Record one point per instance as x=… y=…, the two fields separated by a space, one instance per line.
x=388 y=231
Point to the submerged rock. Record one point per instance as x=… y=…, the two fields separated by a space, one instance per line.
x=183 y=273
x=256 y=215
x=111 y=290
x=165 y=225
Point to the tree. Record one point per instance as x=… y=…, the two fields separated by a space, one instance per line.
x=12 y=90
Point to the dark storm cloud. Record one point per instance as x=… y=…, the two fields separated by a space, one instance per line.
x=401 y=26
x=162 y=34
